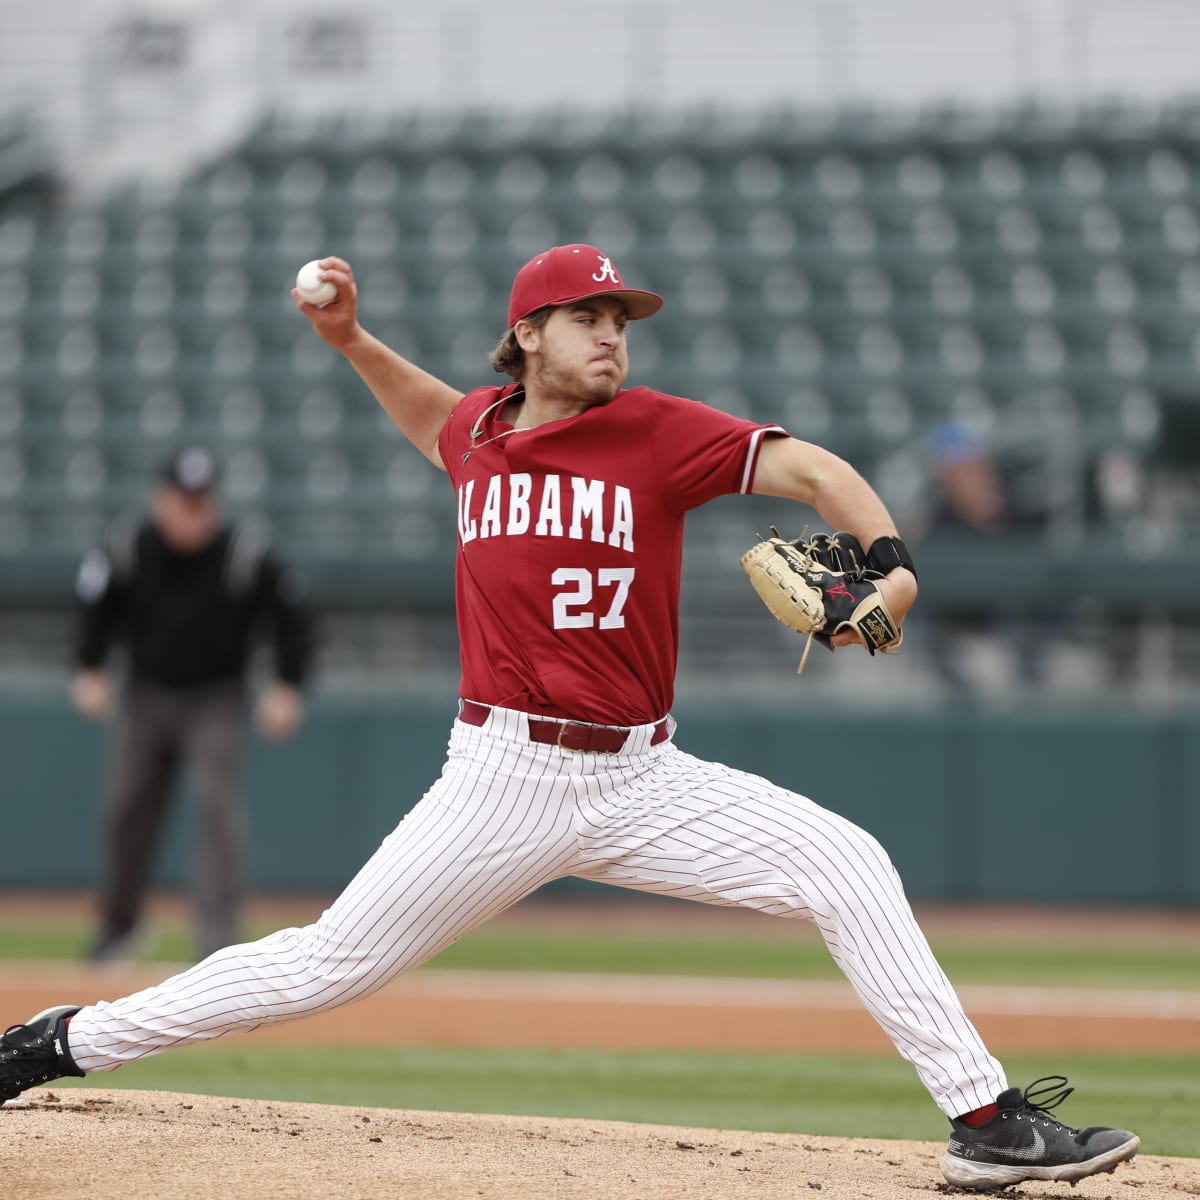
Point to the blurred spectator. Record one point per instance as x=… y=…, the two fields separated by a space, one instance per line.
x=970 y=494
x=185 y=592
x=971 y=500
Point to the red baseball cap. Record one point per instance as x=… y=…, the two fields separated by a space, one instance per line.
x=566 y=274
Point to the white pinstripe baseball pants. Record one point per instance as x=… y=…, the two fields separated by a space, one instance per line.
x=507 y=816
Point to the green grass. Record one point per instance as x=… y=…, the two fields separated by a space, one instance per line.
x=802 y=957
x=807 y=958
x=1157 y=1095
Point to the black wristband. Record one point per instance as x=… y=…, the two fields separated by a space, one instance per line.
x=888 y=553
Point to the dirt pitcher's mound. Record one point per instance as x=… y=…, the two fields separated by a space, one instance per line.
x=127 y=1145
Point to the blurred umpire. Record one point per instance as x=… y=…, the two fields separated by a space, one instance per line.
x=185 y=592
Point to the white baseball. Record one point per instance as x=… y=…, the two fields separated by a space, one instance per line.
x=312 y=287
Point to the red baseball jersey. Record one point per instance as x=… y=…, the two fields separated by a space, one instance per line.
x=570 y=544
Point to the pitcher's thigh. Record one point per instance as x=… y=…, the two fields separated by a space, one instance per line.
x=723 y=836
x=463 y=854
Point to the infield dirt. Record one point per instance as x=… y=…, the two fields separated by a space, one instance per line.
x=127 y=1145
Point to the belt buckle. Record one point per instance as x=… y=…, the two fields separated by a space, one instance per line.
x=562 y=729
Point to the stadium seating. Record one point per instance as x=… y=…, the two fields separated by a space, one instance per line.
x=860 y=275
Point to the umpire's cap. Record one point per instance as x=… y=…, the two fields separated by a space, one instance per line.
x=192 y=469
x=567 y=274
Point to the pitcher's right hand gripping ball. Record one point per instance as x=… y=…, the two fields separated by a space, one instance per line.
x=821 y=586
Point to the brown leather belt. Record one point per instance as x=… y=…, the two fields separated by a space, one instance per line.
x=570 y=735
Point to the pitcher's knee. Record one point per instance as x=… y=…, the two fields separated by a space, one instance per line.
x=355 y=965
x=863 y=874
x=836 y=838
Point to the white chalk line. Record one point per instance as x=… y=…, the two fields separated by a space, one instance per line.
x=707 y=991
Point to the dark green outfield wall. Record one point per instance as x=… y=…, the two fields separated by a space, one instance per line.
x=1056 y=805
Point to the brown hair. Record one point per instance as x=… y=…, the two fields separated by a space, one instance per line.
x=508 y=358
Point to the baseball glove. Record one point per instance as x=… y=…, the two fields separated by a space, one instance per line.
x=821 y=586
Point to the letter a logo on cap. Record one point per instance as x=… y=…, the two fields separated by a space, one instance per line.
x=561 y=275
x=607 y=271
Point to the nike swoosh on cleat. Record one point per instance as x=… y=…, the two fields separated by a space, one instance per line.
x=1023 y=1153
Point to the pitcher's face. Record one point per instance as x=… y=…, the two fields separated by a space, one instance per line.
x=580 y=353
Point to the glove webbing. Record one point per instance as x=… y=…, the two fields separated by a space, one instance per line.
x=808 y=641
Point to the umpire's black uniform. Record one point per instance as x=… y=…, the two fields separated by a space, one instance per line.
x=187 y=618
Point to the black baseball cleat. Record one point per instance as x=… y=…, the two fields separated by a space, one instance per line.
x=1022 y=1141
x=36 y=1052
